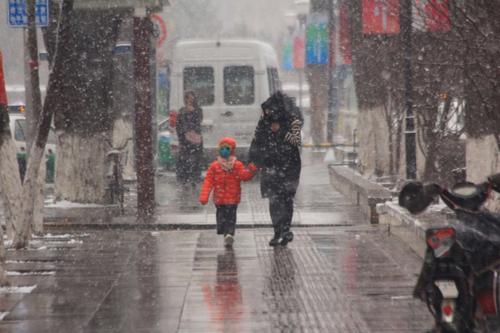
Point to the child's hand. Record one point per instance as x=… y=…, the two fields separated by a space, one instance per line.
x=252 y=167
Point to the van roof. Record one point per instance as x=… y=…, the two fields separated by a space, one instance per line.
x=186 y=49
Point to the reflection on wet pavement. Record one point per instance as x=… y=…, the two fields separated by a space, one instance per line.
x=354 y=279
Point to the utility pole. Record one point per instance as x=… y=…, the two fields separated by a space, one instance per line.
x=332 y=77
x=143 y=51
x=410 y=130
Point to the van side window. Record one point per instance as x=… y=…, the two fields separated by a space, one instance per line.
x=273 y=79
x=201 y=81
x=239 y=85
x=19 y=130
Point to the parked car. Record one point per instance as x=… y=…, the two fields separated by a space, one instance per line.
x=18 y=131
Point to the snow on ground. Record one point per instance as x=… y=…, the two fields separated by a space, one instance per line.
x=19 y=290
x=68 y=204
x=26 y=273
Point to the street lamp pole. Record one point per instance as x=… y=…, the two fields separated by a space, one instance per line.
x=410 y=130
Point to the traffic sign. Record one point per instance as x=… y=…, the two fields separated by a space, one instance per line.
x=18 y=17
x=161 y=29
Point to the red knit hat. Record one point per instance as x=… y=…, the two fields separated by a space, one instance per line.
x=230 y=142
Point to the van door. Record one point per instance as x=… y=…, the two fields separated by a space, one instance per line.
x=203 y=80
x=240 y=111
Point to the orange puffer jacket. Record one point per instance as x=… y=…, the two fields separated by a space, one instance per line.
x=225 y=183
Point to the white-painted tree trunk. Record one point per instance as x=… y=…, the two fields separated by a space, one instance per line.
x=37 y=226
x=10 y=182
x=81 y=168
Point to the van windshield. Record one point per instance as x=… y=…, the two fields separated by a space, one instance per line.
x=239 y=85
x=200 y=80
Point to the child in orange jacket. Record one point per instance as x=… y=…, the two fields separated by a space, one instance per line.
x=224 y=177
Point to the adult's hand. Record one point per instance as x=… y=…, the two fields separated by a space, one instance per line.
x=193 y=137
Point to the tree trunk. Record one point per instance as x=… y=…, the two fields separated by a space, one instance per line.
x=34 y=109
x=83 y=119
x=81 y=168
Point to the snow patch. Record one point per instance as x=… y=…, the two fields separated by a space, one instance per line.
x=17 y=290
x=68 y=204
x=155 y=233
x=18 y=273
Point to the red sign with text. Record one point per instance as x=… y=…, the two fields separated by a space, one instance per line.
x=380 y=16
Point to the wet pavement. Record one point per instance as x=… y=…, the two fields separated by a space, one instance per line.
x=340 y=274
x=330 y=279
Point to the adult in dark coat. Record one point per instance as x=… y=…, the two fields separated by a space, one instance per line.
x=188 y=128
x=275 y=149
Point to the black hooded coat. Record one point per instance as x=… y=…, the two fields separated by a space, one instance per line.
x=277 y=154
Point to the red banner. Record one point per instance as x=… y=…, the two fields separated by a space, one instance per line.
x=380 y=16
x=344 y=39
x=299 y=52
x=437 y=16
x=431 y=15
x=3 y=92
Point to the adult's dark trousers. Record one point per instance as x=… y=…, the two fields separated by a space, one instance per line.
x=281 y=210
x=226 y=219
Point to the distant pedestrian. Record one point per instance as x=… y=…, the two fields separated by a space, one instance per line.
x=275 y=149
x=224 y=177
x=188 y=128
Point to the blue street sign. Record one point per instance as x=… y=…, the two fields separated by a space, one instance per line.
x=18 y=17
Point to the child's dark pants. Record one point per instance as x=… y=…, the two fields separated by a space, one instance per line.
x=226 y=219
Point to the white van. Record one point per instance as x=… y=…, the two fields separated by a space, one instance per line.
x=230 y=78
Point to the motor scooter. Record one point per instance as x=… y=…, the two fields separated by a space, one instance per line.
x=460 y=276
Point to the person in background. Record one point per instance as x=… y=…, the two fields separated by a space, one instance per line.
x=275 y=149
x=188 y=128
x=224 y=177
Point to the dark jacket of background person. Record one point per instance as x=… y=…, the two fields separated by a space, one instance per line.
x=277 y=154
x=189 y=158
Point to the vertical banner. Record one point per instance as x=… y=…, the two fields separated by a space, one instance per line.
x=317 y=39
x=287 y=55
x=380 y=16
x=344 y=36
x=3 y=92
x=431 y=15
x=299 y=51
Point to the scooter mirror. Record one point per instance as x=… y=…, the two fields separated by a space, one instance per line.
x=415 y=197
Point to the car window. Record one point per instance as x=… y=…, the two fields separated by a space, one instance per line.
x=201 y=81
x=19 y=130
x=239 y=85
x=273 y=79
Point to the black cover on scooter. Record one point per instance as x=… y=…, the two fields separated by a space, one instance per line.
x=479 y=235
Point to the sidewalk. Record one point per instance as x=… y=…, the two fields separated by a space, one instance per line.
x=334 y=279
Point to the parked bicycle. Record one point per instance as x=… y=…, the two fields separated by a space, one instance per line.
x=116 y=185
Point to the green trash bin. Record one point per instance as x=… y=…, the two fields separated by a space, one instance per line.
x=165 y=157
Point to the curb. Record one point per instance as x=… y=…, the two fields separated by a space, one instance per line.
x=359 y=190
x=154 y=226
x=409 y=228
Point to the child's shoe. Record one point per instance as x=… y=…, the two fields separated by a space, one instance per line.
x=274 y=242
x=228 y=240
